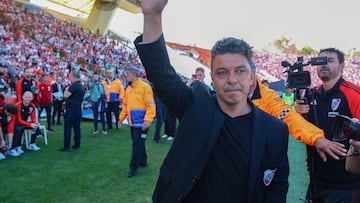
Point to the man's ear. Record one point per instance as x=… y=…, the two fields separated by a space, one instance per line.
x=342 y=66
x=253 y=77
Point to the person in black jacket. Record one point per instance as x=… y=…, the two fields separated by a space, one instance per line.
x=58 y=99
x=225 y=149
x=329 y=181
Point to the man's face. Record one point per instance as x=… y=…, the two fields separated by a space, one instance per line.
x=130 y=77
x=46 y=79
x=232 y=78
x=59 y=79
x=109 y=74
x=95 y=77
x=332 y=69
x=27 y=97
x=200 y=75
x=28 y=73
x=288 y=90
x=2 y=70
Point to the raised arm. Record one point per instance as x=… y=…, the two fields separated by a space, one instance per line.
x=152 y=10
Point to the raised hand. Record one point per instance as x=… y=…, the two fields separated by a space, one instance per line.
x=152 y=10
x=153 y=6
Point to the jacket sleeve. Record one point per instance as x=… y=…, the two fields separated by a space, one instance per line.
x=299 y=128
x=121 y=91
x=107 y=92
x=18 y=89
x=37 y=96
x=169 y=87
x=33 y=115
x=149 y=105
x=124 y=109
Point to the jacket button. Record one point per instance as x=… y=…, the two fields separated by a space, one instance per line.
x=195 y=179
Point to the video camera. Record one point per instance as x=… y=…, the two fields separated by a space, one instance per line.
x=300 y=79
x=345 y=128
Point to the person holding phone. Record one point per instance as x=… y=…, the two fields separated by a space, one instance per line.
x=198 y=75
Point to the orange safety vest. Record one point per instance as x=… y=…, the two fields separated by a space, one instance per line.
x=138 y=104
x=269 y=101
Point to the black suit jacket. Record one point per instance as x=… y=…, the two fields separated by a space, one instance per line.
x=200 y=123
x=56 y=89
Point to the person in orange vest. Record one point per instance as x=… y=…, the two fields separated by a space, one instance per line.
x=139 y=108
x=114 y=96
x=269 y=101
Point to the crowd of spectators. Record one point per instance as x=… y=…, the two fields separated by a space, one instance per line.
x=34 y=38
x=37 y=39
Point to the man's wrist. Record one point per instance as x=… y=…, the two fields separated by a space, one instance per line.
x=353 y=152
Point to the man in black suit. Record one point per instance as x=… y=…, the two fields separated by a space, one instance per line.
x=58 y=99
x=225 y=149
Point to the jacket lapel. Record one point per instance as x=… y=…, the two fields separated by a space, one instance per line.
x=216 y=125
x=257 y=149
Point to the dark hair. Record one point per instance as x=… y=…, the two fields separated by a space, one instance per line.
x=232 y=45
x=10 y=108
x=133 y=69
x=339 y=53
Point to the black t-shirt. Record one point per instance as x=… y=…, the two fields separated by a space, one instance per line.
x=77 y=91
x=225 y=176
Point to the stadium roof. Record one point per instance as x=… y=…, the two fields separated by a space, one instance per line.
x=85 y=6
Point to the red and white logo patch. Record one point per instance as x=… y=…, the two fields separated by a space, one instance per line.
x=335 y=104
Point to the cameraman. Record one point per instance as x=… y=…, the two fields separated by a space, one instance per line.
x=329 y=182
x=98 y=99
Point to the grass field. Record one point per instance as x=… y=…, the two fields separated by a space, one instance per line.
x=97 y=171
